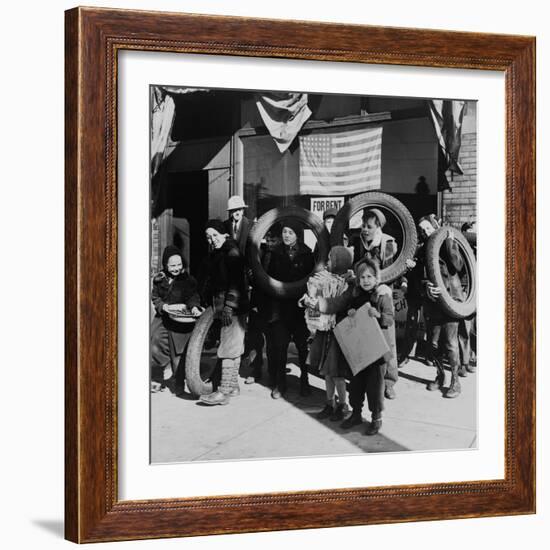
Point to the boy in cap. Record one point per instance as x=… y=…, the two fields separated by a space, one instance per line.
x=375 y=244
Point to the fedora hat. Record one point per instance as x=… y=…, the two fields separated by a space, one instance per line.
x=235 y=203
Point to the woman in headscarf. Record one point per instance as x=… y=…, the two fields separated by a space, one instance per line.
x=291 y=260
x=225 y=289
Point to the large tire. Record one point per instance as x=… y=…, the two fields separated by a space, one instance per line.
x=376 y=199
x=271 y=286
x=450 y=306
x=195 y=383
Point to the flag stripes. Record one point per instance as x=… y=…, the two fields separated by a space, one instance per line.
x=342 y=162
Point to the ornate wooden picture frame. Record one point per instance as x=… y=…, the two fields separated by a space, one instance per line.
x=94 y=37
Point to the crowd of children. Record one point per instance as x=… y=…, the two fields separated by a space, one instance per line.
x=352 y=287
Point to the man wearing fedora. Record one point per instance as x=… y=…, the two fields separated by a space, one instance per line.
x=237 y=225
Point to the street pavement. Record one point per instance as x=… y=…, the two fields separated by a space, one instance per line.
x=255 y=426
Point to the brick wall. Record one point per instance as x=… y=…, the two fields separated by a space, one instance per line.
x=460 y=204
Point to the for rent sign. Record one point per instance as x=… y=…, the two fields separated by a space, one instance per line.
x=320 y=204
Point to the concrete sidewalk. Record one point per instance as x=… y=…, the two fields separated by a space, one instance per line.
x=255 y=426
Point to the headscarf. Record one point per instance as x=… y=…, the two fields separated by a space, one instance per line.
x=170 y=251
x=217 y=225
x=340 y=259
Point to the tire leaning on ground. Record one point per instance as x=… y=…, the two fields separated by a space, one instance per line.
x=376 y=199
x=273 y=287
x=195 y=383
x=450 y=306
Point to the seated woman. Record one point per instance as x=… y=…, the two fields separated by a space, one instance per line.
x=174 y=291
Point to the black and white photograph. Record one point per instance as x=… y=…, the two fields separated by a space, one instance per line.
x=312 y=274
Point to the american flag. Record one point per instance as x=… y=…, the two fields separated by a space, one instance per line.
x=340 y=162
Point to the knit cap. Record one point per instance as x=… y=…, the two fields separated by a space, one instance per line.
x=377 y=214
x=330 y=213
x=170 y=251
x=217 y=225
x=295 y=225
x=340 y=259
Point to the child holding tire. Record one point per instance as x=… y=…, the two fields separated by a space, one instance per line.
x=442 y=328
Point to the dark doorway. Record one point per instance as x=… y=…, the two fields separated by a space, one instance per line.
x=187 y=196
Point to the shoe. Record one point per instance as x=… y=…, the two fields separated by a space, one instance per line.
x=389 y=393
x=276 y=393
x=437 y=384
x=463 y=371
x=156 y=387
x=215 y=398
x=374 y=427
x=439 y=381
x=338 y=413
x=250 y=380
x=235 y=391
x=325 y=413
x=471 y=368
x=179 y=389
x=353 y=420
x=454 y=388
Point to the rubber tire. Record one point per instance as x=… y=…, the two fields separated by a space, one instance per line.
x=450 y=306
x=471 y=237
x=197 y=386
x=271 y=286
x=375 y=199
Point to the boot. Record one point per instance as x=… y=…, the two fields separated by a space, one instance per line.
x=375 y=425
x=338 y=413
x=353 y=420
x=454 y=388
x=235 y=390
x=305 y=388
x=326 y=412
x=439 y=381
x=462 y=371
x=221 y=396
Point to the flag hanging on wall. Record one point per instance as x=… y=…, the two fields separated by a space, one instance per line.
x=341 y=163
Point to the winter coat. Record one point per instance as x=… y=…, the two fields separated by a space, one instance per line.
x=242 y=233
x=285 y=268
x=180 y=290
x=259 y=299
x=354 y=298
x=325 y=353
x=225 y=281
x=383 y=252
